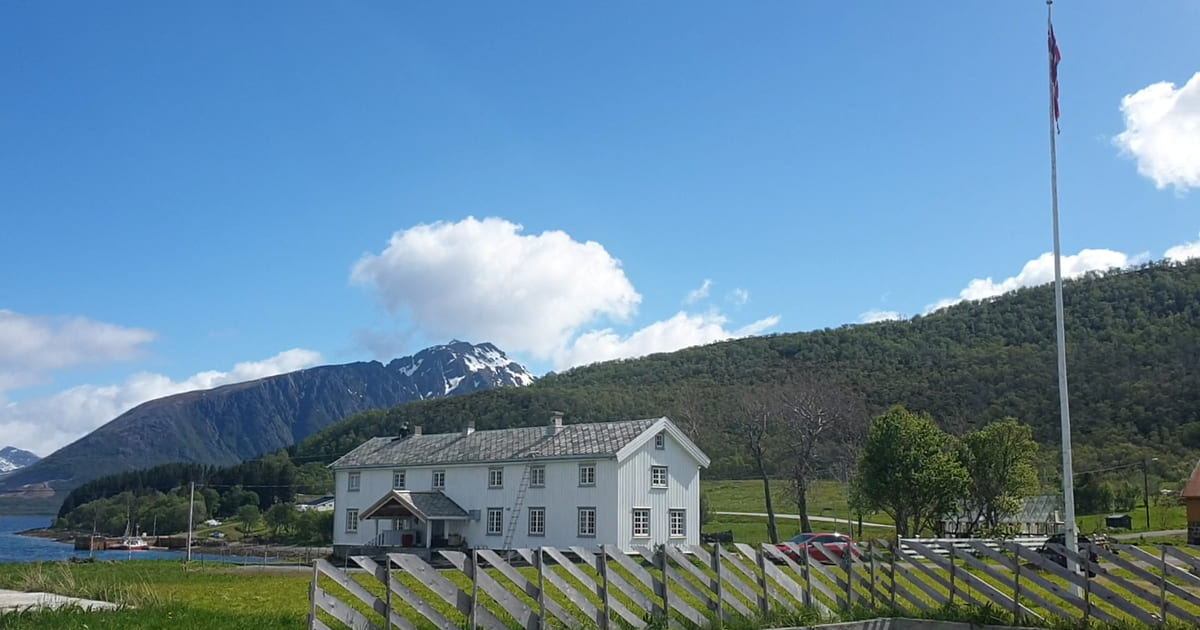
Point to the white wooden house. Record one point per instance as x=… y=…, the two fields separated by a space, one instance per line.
x=631 y=483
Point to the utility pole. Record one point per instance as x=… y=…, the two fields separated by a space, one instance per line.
x=191 y=519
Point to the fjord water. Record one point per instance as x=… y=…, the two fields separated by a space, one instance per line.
x=17 y=548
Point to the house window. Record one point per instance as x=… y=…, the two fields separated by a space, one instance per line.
x=587 y=474
x=439 y=480
x=495 y=521
x=641 y=522
x=658 y=476
x=398 y=478
x=496 y=477
x=537 y=477
x=678 y=523
x=353 y=481
x=587 y=521
x=660 y=441
x=537 y=521
x=352 y=521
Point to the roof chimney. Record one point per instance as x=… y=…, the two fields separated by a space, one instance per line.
x=556 y=418
x=416 y=431
x=470 y=428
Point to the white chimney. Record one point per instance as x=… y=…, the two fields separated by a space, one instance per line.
x=470 y=428
x=556 y=418
x=416 y=431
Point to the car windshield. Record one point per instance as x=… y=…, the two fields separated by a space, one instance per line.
x=829 y=538
x=801 y=538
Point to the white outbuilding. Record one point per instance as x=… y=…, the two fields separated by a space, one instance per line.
x=631 y=483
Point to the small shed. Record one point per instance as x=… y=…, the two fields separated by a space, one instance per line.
x=1191 y=498
x=1118 y=521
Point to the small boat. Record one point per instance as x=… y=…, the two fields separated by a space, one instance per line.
x=132 y=543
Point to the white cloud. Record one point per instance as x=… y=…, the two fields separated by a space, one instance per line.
x=1162 y=132
x=739 y=297
x=486 y=281
x=1040 y=271
x=698 y=294
x=47 y=423
x=31 y=345
x=878 y=315
x=1180 y=253
x=680 y=331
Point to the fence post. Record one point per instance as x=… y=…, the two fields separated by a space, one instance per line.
x=1016 y=588
x=471 y=618
x=603 y=566
x=895 y=549
x=666 y=584
x=1087 y=584
x=808 y=587
x=312 y=598
x=541 y=567
x=1162 y=587
x=953 y=571
x=763 y=583
x=720 y=588
x=848 y=564
x=871 y=558
x=387 y=588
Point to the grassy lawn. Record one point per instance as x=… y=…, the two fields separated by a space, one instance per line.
x=1161 y=518
x=825 y=498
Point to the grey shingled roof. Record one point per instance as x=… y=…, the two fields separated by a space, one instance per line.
x=525 y=443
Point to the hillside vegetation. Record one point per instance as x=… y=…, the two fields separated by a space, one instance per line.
x=1133 y=362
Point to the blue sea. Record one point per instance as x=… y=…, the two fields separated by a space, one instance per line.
x=16 y=548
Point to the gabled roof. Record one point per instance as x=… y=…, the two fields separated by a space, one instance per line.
x=603 y=439
x=423 y=505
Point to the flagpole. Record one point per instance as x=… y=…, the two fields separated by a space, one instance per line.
x=1070 y=535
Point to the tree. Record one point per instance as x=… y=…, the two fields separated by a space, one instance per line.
x=752 y=425
x=999 y=459
x=817 y=414
x=280 y=517
x=248 y=516
x=909 y=471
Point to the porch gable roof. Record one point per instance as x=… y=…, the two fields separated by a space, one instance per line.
x=426 y=506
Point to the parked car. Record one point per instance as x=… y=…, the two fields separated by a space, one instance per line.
x=1051 y=550
x=836 y=544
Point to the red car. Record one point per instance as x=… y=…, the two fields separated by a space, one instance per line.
x=835 y=544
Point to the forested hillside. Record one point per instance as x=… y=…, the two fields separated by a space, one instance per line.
x=1133 y=361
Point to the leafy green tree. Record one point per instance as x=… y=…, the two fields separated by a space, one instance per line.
x=281 y=517
x=1000 y=461
x=248 y=516
x=909 y=470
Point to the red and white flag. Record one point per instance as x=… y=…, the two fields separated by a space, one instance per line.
x=1055 y=57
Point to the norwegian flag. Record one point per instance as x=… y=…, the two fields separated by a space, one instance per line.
x=1055 y=57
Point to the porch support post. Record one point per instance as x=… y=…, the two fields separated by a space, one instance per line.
x=429 y=534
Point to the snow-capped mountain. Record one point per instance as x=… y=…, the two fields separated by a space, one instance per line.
x=243 y=420
x=460 y=368
x=12 y=458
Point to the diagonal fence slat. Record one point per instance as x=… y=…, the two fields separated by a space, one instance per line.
x=1151 y=597
x=340 y=611
x=409 y=597
x=743 y=578
x=811 y=586
x=524 y=584
x=591 y=559
x=447 y=590
x=953 y=574
x=569 y=590
x=671 y=578
x=1084 y=604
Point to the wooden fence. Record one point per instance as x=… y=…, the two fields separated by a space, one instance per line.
x=701 y=587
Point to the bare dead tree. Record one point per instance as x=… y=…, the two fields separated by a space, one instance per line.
x=753 y=425
x=816 y=414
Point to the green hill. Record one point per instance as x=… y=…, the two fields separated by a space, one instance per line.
x=1133 y=344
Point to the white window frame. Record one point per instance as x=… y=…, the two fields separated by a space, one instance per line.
x=438 y=475
x=499 y=530
x=351 y=520
x=587 y=475
x=658 y=477
x=585 y=522
x=495 y=477
x=353 y=481
x=537 y=521
x=399 y=479
x=660 y=440
x=641 y=522
x=677 y=523
x=537 y=476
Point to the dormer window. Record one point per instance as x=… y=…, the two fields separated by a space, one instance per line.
x=660 y=440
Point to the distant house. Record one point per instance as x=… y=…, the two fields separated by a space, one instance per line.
x=1191 y=499
x=323 y=504
x=1039 y=516
x=630 y=483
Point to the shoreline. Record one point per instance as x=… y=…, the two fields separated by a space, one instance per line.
x=204 y=545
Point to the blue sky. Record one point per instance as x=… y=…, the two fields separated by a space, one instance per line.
x=194 y=195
